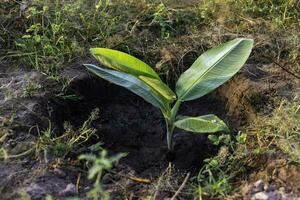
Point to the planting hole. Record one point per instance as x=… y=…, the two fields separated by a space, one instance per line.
x=129 y=124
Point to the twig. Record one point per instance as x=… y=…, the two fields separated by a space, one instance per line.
x=19 y=155
x=283 y=68
x=181 y=187
x=133 y=178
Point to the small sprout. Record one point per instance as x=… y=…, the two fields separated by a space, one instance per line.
x=241 y=138
x=100 y=164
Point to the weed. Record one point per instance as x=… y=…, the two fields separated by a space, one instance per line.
x=215 y=177
x=265 y=134
x=30 y=88
x=100 y=163
x=248 y=150
x=160 y=16
x=60 y=146
x=3 y=154
x=53 y=32
x=24 y=195
x=65 y=93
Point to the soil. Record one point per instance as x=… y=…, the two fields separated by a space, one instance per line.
x=126 y=124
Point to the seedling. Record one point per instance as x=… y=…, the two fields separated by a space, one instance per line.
x=209 y=71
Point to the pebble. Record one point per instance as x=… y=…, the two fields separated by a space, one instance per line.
x=36 y=191
x=260 y=196
x=60 y=173
x=270 y=188
x=259 y=186
x=70 y=190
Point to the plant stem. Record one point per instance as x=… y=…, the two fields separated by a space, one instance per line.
x=170 y=129
x=170 y=125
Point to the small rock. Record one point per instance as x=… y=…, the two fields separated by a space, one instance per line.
x=35 y=191
x=60 y=173
x=274 y=195
x=259 y=186
x=70 y=190
x=87 y=188
x=270 y=188
x=284 y=197
x=260 y=196
x=258 y=183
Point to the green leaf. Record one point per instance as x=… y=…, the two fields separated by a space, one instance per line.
x=202 y=124
x=123 y=62
x=128 y=64
x=129 y=82
x=160 y=87
x=89 y=157
x=94 y=170
x=213 y=68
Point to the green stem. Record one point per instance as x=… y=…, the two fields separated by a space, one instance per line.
x=170 y=129
x=170 y=125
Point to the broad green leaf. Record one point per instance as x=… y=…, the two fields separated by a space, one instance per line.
x=213 y=68
x=202 y=124
x=128 y=64
x=123 y=62
x=160 y=87
x=129 y=82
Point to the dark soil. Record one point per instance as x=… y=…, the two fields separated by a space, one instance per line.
x=128 y=124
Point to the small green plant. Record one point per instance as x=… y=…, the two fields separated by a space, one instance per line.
x=61 y=145
x=30 y=88
x=209 y=71
x=216 y=176
x=100 y=164
x=159 y=17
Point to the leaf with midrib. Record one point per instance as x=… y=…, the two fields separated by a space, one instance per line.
x=160 y=87
x=126 y=63
x=213 y=68
x=129 y=82
x=203 y=124
x=123 y=62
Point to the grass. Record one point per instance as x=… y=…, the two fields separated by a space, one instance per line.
x=53 y=32
x=60 y=146
x=48 y=35
x=266 y=136
x=239 y=156
x=100 y=164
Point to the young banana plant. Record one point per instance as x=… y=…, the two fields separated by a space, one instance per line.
x=209 y=71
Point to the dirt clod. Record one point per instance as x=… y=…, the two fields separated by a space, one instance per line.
x=70 y=190
x=260 y=190
x=36 y=191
